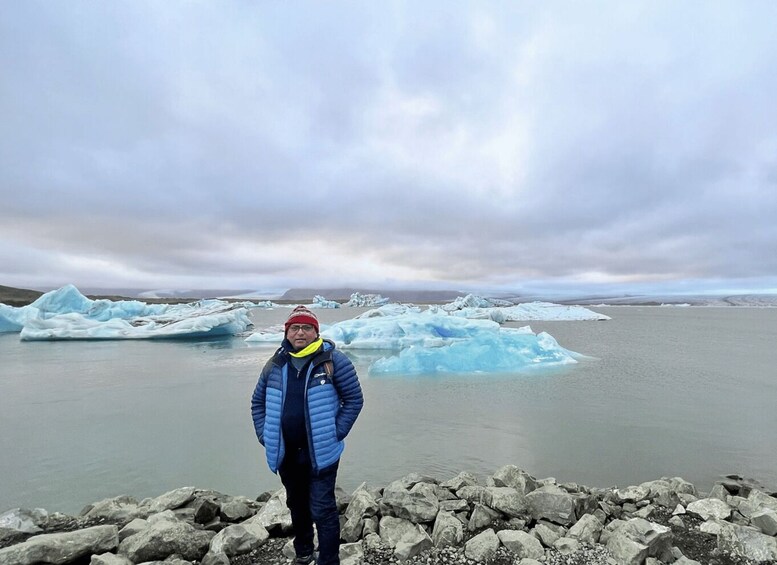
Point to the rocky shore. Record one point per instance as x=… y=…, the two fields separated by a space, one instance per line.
x=508 y=518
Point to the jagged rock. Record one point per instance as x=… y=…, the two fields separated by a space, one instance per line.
x=362 y=505
x=711 y=527
x=662 y=493
x=765 y=520
x=683 y=560
x=163 y=539
x=62 y=547
x=393 y=529
x=632 y=494
x=412 y=543
x=109 y=559
x=678 y=510
x=352 y=529
x=24 y=520
x=168 y=501
x=118 y=509
x=455 y=505
x=545 y=534
x=565 y=545
x=372 y=541
x=417 y=506
x=132 y=528
x=482 y=547
x=236 y=509
x=412 y=479
x=481 y=517
x=719 y=491
x=212 y=558
x=370 y=526
x=761 y=500
x=677 y=522
x=513 y=477
x=239 y=539
x=343 y=499
x=166 y=516
x=447 y=530
x=274 y=515
x=708 y=508
x=587 y=529
x=508 y=501
x=681 y=486
x=521 y=544
x=475 y=494
x=205 y=510
x=552 y=503
x=743 y=541
x=461 y=480
x=625 y=550
x=351 y=554
x=657 y=538
x=442 y=493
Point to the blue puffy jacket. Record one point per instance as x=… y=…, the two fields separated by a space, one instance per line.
x=333 y=398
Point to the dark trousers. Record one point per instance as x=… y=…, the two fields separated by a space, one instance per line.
x=311 y=499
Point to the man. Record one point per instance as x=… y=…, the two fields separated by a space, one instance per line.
x=305 y=403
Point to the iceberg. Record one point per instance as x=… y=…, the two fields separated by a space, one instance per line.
x=370 y=300
x=321 y=302
x=439 y=343
x=390 y=310
x=532 y=312
x=474 y=301
x=67 y=314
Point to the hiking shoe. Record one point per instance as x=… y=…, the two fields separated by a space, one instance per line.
x=306 y=559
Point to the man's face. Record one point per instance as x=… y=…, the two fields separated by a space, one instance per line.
x=301 y=335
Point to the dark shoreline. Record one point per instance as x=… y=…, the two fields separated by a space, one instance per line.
x=417 y=519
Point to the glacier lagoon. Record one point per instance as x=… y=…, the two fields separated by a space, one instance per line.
x=667 y=391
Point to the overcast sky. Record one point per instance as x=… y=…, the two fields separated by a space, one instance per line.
x=515 y=145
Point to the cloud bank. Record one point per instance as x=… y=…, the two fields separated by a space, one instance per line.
x=496 y=145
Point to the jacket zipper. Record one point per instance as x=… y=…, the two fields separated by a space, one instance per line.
x=284 y=374
x=311 y=450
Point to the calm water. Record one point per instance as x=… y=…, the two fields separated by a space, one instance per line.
x=668 y=391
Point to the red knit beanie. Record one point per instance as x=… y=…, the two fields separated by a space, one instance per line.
x=301 y=315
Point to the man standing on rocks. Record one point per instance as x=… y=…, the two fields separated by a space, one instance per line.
x=305 y=403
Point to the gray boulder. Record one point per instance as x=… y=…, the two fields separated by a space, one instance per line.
x=274 y=515
x=117 y=509
x=455 y=505
x=163 y=539
x=351 y=554
x=238 y=539
x=362 y=505
x=587 y=529
x=132 y=528
x=632 y=494
x=168 y=501
x=393 y=529
x=475 y=494
x=481 y=517
x=746 y=542
x=625 y=550
x=63 y=547
x=447 y=531
x=513 y=477
x=521 y=544
x=413 y=543
x=657 y=538
x=546 y=534
x=205 y=509
x=236 y=509
x=109 y=559
x=417 y=506
x=566 y=545
x=24 y=520
x=508 y=501
x=708 y=508
x=765 y=520
x=461 y=480
x=552 y=503
x=482 y=548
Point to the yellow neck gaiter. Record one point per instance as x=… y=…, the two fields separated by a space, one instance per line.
x=312 y=348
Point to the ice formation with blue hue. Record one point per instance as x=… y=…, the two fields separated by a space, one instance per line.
x=433 y=343
x=474 y=301
x=370 y=300
x=67 y=314
x=321 y=302
x=476 y=307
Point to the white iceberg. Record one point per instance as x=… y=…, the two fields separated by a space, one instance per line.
x=67 y=314
x=532 y=312
x=370 y=300
x=474 y=301
x=390 y=310
x=321 y=302
x=433 y=343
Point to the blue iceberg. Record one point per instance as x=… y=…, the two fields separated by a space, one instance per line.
x=66 y=314
x=424 y=343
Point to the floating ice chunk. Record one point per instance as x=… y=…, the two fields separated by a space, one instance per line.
x=12 y=319
x=474 y=301
x=359 y=299
x=321 y=302
x=206 y=322
x=548 y=311
x=488 y=352
x=390 y=310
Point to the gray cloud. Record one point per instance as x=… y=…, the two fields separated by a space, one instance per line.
x=488 y=145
